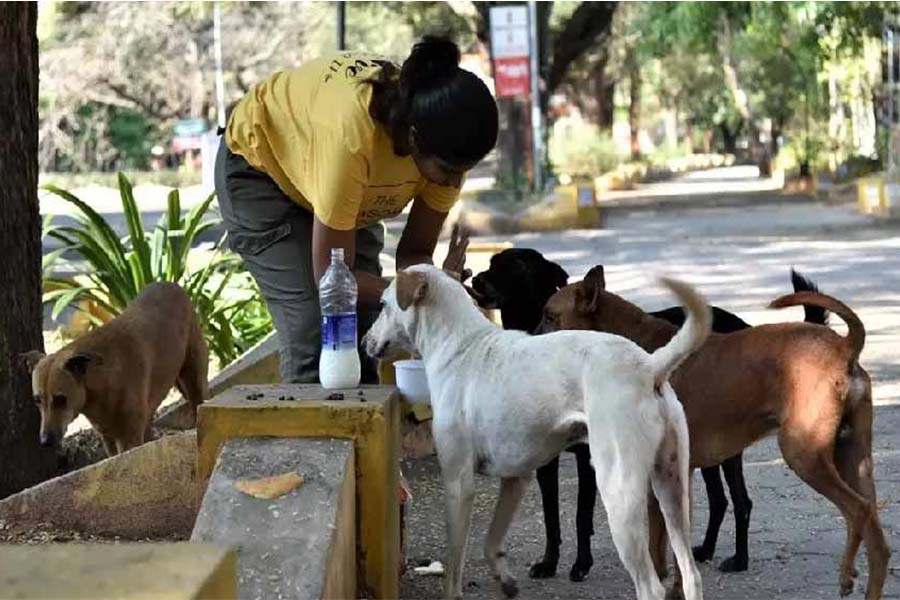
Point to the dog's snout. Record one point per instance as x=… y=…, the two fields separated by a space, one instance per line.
x=48 y=439
x=371 y=347
x=483 y=292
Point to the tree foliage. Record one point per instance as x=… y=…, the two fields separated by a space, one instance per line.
x=116 y=75
x=773 y=60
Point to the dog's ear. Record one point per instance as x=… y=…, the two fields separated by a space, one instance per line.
x=78 y=364
x=411 y=288
x=558 y=275
x=593 y=285
x=29 y=360
x=596 y=278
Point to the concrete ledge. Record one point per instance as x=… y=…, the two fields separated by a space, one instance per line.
x=171 y=571
x=299 y=545
x=259 y=364
x=150 y=491
x=369 y=416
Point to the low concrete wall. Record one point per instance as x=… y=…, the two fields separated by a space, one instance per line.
x=299 y=545
x=258 y=365
x=150 y=491
x=125 y=571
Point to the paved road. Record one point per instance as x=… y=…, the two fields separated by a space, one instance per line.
x=739 y=256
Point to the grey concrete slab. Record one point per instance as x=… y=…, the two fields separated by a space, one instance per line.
x=283 y=543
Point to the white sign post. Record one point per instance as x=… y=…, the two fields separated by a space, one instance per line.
x=516 y=74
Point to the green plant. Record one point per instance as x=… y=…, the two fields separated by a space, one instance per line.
x=115 y=269
x=580 y=149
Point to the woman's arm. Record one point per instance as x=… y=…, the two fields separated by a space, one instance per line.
x=416 y=247
x=325 y=238
x=420 y=235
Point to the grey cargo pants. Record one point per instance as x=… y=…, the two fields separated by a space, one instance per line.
x=273 y=236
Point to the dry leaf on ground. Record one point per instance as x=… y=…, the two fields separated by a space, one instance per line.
x=270 y=487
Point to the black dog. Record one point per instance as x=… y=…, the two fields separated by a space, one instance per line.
x=518 y=283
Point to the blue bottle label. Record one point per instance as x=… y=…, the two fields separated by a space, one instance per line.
x=339 y=331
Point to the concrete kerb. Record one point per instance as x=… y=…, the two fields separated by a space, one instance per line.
x=126 y=571
x=150 y=491
x=369 y=416
x=299 y=545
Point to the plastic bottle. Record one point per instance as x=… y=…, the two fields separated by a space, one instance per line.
x=339 y=361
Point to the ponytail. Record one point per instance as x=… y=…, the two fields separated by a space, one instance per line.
x=444 y=110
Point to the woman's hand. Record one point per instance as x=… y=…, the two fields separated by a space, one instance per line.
x=369 y=286
x=455 y=263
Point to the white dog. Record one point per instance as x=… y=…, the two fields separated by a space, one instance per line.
x=506 y=403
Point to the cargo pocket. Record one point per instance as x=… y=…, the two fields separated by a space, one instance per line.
x=252 y=242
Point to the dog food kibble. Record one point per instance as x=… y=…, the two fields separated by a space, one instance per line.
x=335 y=396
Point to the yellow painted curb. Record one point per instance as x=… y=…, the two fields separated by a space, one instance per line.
x=871 y=195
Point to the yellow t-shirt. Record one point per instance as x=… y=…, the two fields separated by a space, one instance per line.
x=310 y=130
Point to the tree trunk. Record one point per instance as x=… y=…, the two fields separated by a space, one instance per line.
x=604 y=92
x=729 y=138
x=634 y=105
x=511 y=147
x=24 y=462
x=777 y=130
x=707 y=141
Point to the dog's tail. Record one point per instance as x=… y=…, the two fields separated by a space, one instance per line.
x=856 y=335
x=693 y=333
x=812 y=314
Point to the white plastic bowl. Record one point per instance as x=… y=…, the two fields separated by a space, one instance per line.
x=412 y=382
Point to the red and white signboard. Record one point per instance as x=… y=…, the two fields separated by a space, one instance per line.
x=509 y=46
x=511 y=77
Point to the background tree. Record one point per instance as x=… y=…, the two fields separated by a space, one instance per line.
x=24 y=461
x=566 y=32
x=117 y=75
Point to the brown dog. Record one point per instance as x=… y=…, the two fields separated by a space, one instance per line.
x=118 y=374
x=799 y=379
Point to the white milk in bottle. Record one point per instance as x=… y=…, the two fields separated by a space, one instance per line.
x=339 y=362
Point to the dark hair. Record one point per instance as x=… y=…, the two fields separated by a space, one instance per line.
x=449 y=111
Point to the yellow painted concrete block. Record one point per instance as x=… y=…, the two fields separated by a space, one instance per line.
x=340 y=578
x=122 y=571
x=370 y=416
x=871 y=194
x=151 y=490
x=488 y=247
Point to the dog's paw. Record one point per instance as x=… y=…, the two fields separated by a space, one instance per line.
x=847 y=583
x=510 y=587
x=701 y=554
x=580 y=570
x=675 y=593
x=733 y=565
x=542 y=570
